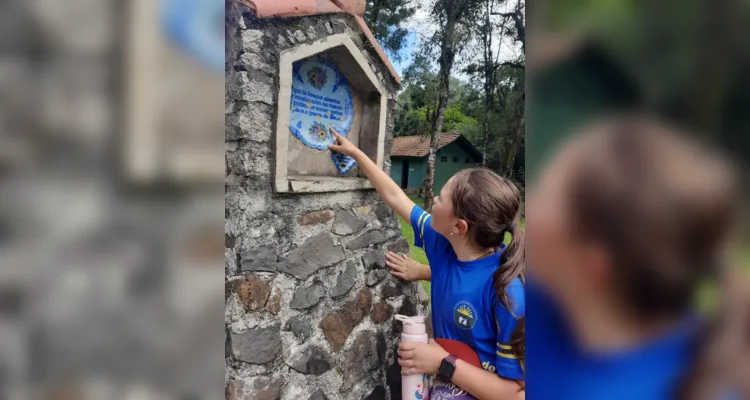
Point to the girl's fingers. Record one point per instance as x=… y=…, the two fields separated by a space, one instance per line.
x=336 y=134
x=405 y=354
x=406 y=363
x=393 y=264
x=399 y=275
x=394 y=257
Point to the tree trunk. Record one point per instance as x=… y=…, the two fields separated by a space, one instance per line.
x=447 y=56
x=511 y=147
x=489 y=75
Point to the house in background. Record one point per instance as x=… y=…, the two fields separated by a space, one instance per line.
x=409 y=159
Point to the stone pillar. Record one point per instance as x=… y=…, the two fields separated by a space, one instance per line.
x=309 y=301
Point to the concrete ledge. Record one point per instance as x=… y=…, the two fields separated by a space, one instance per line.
x=317 y=184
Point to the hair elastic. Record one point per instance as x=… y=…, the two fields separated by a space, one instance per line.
x=512 y=226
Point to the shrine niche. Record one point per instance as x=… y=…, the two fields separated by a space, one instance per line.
x=326 y=85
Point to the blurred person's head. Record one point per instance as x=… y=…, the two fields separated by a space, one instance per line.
x=628 y=220
x=632 y=214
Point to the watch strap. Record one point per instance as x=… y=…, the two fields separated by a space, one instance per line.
x=451 y=359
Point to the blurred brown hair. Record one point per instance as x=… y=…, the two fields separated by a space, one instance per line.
x=663 y=207
x=490 y=205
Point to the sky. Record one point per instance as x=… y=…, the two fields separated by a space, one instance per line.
x=421 y=27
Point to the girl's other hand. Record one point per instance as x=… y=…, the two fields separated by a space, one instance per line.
x=343 y=145
x=402 y=266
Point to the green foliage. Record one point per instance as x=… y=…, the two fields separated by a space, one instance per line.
x=455 y=119
x=414 y=123
x=385 y=17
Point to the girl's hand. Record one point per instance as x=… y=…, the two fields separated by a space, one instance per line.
x=420 y=358
x=402 y=266
x=343 y=145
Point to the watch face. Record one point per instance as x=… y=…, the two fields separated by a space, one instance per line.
x=446 y=370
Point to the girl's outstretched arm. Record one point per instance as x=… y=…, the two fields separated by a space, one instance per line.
x=389 y=191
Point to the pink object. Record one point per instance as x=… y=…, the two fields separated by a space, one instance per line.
x=414 y=387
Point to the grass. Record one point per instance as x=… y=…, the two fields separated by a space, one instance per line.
x=416 y=253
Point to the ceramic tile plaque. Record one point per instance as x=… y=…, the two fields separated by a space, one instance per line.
x=321 y=100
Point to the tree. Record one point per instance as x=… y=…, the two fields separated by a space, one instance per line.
x=487 y=69
x=384 y=18
x=499 y=85
x=452 y=17
x=513 y=92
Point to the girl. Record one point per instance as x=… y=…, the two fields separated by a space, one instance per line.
x=477 y=284
x=625 y=222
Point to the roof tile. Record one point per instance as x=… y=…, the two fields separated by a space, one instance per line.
x=419 y=146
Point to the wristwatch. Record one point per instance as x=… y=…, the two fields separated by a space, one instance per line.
x=447 y=368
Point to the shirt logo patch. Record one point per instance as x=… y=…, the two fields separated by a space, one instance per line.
x=464 y=315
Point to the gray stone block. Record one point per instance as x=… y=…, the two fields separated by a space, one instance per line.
x=252 y=121
x=368 y=239
x=346 y=223
x=306 y=297
x=346 y=280
x=319 y=395
x=257 y=346
x=259 y=259
x=374 y=259
x=316 y=253
x=374 y=277
x=400 y=246
x=300 y=326
x=383 y=212
x=312 y=361
x=362 y=357
x=252 y=40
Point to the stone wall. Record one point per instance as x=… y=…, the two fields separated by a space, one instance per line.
x=309 y=301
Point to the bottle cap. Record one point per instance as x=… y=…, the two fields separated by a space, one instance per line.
x=412 y=325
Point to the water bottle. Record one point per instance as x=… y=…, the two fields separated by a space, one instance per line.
x=414 y=387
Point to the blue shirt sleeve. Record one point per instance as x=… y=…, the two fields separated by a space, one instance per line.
x=507 y=364
x=426 y=237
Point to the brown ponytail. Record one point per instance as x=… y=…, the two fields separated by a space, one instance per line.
x=663 y=208
x=512 y=266
x=490 y=204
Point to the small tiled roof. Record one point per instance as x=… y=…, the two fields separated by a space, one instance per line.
x=302 y=8
x=419 y=146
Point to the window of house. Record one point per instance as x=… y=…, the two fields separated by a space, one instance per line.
x=444 y=159
x=455 y=159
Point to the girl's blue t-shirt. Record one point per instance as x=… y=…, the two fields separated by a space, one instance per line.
x=465 y=305
x=559 y=369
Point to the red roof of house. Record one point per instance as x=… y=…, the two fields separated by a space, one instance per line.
x=419 y=146
x=302 y=8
